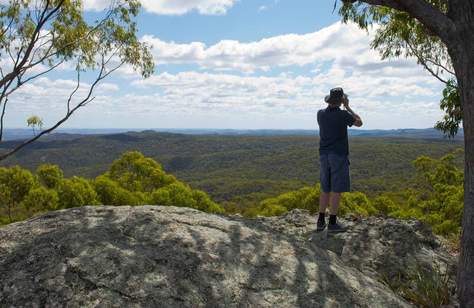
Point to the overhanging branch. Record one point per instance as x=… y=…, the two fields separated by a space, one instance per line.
x=103 y=73
x=435 y=20
x=424 y=62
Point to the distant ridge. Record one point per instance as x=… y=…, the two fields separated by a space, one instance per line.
x=430 y=133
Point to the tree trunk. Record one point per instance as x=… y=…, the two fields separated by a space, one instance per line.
x=465 y=279
x=463 y=60
x=466 y=260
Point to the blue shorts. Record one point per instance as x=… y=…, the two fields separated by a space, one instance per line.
x=334 y=173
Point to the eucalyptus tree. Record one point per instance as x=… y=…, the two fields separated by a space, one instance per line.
x=39 y=36
x=440 y=34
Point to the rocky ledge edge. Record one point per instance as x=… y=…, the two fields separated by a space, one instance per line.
x=155 y=256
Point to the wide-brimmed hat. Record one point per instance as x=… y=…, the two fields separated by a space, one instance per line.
x=335 y=96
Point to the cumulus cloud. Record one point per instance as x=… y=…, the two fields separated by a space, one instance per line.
x=238 y=85
x=166 y=7
x=281 y=101
x=283 y=93
x=172 y=7
x=344 y=44
x=45 y=94
x=240 y=101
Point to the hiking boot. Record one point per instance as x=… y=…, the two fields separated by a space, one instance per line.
x=320 y=226
x=337 y=228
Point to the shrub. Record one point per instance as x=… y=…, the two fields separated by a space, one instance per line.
x=384 y=205
x=179 y=194
x=6 y=204
x=308 y=198
x=176 y=194
x=41 y=199
x=49 y=175
x=110 y=193
x=204 y=203
x=135 y=172
x=18 y=181
x=76 y=192
x=305 y=198
x=356 y=203
x=272 y=210
x=15 y=183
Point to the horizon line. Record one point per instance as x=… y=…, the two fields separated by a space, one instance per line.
x=194 y=128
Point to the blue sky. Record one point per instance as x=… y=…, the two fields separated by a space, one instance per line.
x=247 y=20
x=243 y=64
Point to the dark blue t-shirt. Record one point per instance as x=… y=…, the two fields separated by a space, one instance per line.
x=333 y=123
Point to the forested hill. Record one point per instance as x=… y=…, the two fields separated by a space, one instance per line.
x=237 y=168
x=427 y=133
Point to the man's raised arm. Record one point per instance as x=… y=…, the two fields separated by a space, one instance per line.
x=358 y=120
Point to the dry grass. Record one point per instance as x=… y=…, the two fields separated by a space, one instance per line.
x=423 y=287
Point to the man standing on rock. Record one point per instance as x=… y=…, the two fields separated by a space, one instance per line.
x=334 y=156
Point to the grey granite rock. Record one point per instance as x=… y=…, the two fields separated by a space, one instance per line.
x=155 y=256
x=378 y=246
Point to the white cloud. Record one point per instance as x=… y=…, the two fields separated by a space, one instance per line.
x=173 y=7
x=345 y=44
x=283 y=101
x=388 y=94
x=284 y=93
x=96 y=5
x=45 y=94
x=166 y=7
x=107 y=87
x=280 y=101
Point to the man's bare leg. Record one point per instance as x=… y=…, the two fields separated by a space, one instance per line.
x=335 y=201
x=323 y=204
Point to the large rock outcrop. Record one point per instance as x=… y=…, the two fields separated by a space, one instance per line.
x=155 y=256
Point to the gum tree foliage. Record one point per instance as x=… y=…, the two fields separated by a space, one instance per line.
x=76 y=192
x=38 y=36
x=135 y=172
x=49 y=175
x=132 y=179
x=5 y=203
x=15 y=183
x=111 y=193
x=436 y=198
x=440 y=196
x=40 y=199
x=146 y=183
x=451 y=104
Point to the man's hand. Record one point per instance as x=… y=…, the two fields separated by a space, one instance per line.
x=345 y=101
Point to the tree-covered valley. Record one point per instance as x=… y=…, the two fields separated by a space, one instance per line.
x=250 y=175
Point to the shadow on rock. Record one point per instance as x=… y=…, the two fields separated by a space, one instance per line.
x=155 y=256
